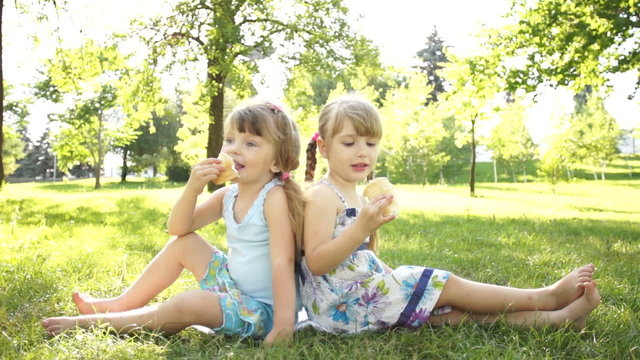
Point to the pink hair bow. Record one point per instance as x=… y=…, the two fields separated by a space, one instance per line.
x=275 y=107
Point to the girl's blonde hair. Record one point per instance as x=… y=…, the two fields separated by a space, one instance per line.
x=271 y=122
x=363 y=116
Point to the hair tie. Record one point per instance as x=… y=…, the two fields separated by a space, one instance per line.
x=315 y=136
x=274 y=107
x=285 y=176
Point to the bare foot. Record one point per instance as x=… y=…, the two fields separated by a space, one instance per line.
x=570 y=287
x=580 y=324
x=578 y=310
x=56 y=325
x=89 y=305
x=453 y=317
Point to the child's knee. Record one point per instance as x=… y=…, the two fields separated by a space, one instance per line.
x=195 y=306
x=189 y=240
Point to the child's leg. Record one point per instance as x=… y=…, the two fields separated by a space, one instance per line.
x=189 y=251
x=195 y=307
x=475 y=297
x=576 y=312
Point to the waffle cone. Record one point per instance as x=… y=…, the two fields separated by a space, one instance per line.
x=229 y=173
x=378 y=187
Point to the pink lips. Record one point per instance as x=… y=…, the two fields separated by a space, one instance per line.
x=360 y=167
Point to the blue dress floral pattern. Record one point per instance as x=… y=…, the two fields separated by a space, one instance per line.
x=360 y=295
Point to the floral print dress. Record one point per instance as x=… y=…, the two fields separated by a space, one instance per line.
x=359 y=295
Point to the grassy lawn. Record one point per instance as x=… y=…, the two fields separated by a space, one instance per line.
x=56 y=238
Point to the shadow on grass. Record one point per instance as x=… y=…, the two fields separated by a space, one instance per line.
x=594 y=209
x=132 y=212
x=84 y=186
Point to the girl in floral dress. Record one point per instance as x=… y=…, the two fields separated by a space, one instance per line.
x=346 y=288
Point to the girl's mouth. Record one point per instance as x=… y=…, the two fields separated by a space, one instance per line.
x=360 y=166
x=238 y=166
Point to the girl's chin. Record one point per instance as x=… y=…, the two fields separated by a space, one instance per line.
x=361 y=177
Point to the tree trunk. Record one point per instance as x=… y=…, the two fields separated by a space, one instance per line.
x=98 y=166
x=495 y=171
x=524 y=171
x=2 y=176
x=125 y=166
x=216 y=116
x=472 y=171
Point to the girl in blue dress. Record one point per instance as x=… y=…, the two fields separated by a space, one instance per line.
x=346 y=288
x=251 y=290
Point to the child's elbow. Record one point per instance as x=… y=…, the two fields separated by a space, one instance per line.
x=316 y=269
x=177 y=231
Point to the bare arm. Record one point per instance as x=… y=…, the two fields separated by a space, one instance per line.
x=282 y=252
x=185 y=216
x=324 y=254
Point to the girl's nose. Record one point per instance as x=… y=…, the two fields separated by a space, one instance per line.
x=362 y=151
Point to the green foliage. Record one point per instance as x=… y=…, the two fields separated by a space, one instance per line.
x=594 y=133
x=474 y=84
x=193 y=132
x=179 y=172
x=590 y=136
x=107 y=106
x=16 y=111
x=231 y=37
x=311 y=84
x=154 y=146
x=109 y=102
x=569 y=43
x=12 y=150
x=38 y=160
x=553 y=164
x=57 y=238
x=510 y=140
x=14 y=128
x=413 y=133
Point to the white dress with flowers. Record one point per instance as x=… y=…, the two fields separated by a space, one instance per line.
x=359 y=295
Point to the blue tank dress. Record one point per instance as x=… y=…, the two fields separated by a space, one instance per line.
x=360 y=295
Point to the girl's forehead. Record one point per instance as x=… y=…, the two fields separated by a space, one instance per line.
x=346 y=127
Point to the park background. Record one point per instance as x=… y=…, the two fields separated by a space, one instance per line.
x=510 y=131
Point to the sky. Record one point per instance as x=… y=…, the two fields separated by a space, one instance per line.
x=400 y=28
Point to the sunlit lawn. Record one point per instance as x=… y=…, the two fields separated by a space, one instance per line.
x=56 y=238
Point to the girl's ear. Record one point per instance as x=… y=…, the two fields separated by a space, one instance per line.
x=274 y=168
x=322 y=147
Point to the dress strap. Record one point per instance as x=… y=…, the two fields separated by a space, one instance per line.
x=256 y=209
x=326 y=182
x=268 y=186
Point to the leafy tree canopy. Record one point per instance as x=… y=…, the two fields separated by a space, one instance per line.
x=569 y=43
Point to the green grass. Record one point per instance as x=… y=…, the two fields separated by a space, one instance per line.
x=623 y=167
x=56 y=238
